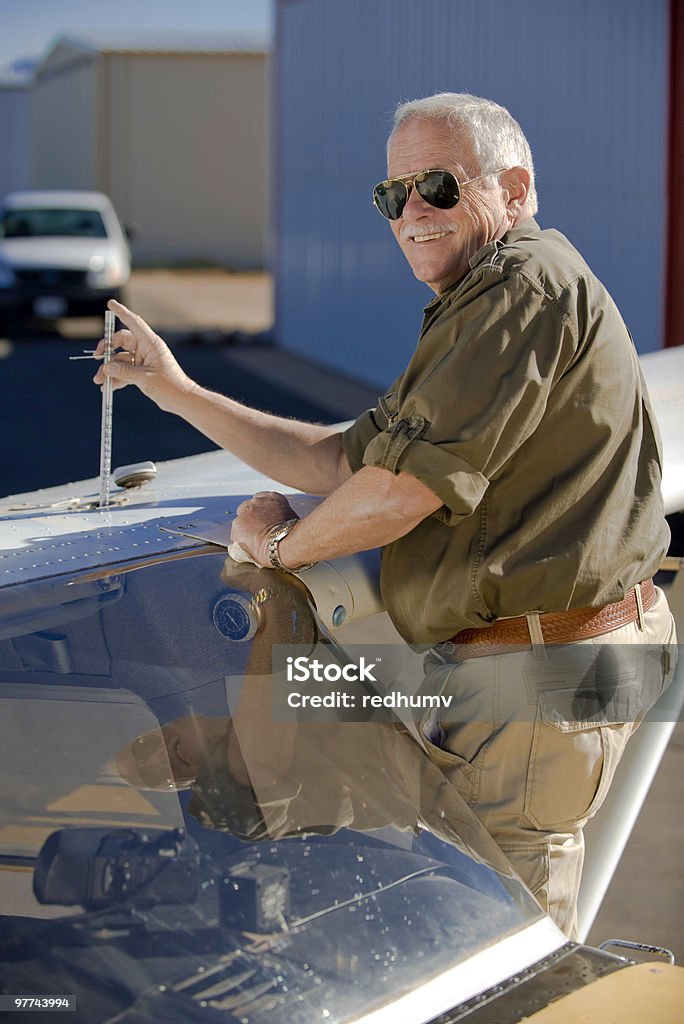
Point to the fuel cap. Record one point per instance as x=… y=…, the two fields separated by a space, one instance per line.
x=135 y=475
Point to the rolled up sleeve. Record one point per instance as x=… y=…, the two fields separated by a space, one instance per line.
x=355 y=439
x=474 y=395
x=459 y=485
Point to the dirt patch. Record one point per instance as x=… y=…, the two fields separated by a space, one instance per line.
x=203 y=299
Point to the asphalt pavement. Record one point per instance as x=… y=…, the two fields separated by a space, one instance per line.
x=219 y=327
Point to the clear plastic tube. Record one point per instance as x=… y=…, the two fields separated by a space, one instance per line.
x=107 y=416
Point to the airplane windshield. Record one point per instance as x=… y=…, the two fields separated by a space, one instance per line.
x=172 y=849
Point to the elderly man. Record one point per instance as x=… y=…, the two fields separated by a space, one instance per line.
x=511 y=475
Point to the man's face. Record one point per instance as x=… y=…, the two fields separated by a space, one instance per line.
x=171 y=757
x=453 y=236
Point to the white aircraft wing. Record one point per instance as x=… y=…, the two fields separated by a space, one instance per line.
x=664 y=372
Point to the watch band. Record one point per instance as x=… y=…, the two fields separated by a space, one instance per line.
x=277 y=534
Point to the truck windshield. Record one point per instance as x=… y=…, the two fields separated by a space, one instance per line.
x=32 y=222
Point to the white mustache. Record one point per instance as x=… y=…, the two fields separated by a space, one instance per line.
x=408 y=231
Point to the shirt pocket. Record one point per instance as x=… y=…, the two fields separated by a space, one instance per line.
x=586 y=711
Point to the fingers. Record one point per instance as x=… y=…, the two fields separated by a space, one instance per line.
x=254 y=520
x=257 y=494
x=265 y=502
x=142 y=358
x=125 y=356
x=120 y=340
x=122 y=370
x=135 y=323
x=136 y=335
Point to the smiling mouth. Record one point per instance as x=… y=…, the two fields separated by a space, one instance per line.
x=429 y=238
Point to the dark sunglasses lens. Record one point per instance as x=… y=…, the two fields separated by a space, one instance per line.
x=390 y=198
x=439 y=189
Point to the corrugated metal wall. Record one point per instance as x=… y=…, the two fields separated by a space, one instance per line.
x=185 y=156
x=179 y=141
x=15 y=131
x=65 y=123
x=588 y=81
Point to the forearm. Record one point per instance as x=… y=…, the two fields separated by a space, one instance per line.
x=307 y=456
x=370 y=509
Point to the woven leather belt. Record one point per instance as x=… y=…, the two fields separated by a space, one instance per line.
x=560 y=627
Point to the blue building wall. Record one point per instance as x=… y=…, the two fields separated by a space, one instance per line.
x=588 y=81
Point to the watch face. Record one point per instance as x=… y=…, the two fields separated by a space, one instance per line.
x=235 y=618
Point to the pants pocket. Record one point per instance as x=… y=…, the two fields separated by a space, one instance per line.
x=460 y=773
x=579 y=735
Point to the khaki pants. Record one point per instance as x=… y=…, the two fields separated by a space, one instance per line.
x=533 y=738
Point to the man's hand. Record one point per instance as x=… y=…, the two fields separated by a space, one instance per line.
x=307 y=456
x=254 y=520
x=143 y=359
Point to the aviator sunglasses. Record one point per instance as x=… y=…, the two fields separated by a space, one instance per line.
x=440 y=189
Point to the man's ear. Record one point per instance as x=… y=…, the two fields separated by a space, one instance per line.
x=515 y=183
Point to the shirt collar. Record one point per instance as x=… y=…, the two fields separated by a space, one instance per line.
x=524 y=227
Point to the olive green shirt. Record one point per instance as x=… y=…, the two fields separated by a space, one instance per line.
x=524 y=409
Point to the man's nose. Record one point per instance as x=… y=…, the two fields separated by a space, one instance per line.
x=415 y=203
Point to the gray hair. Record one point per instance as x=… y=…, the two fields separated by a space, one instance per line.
x=497 y=138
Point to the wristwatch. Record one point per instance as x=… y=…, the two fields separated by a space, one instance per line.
x=277 y=534
x=237 y=617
